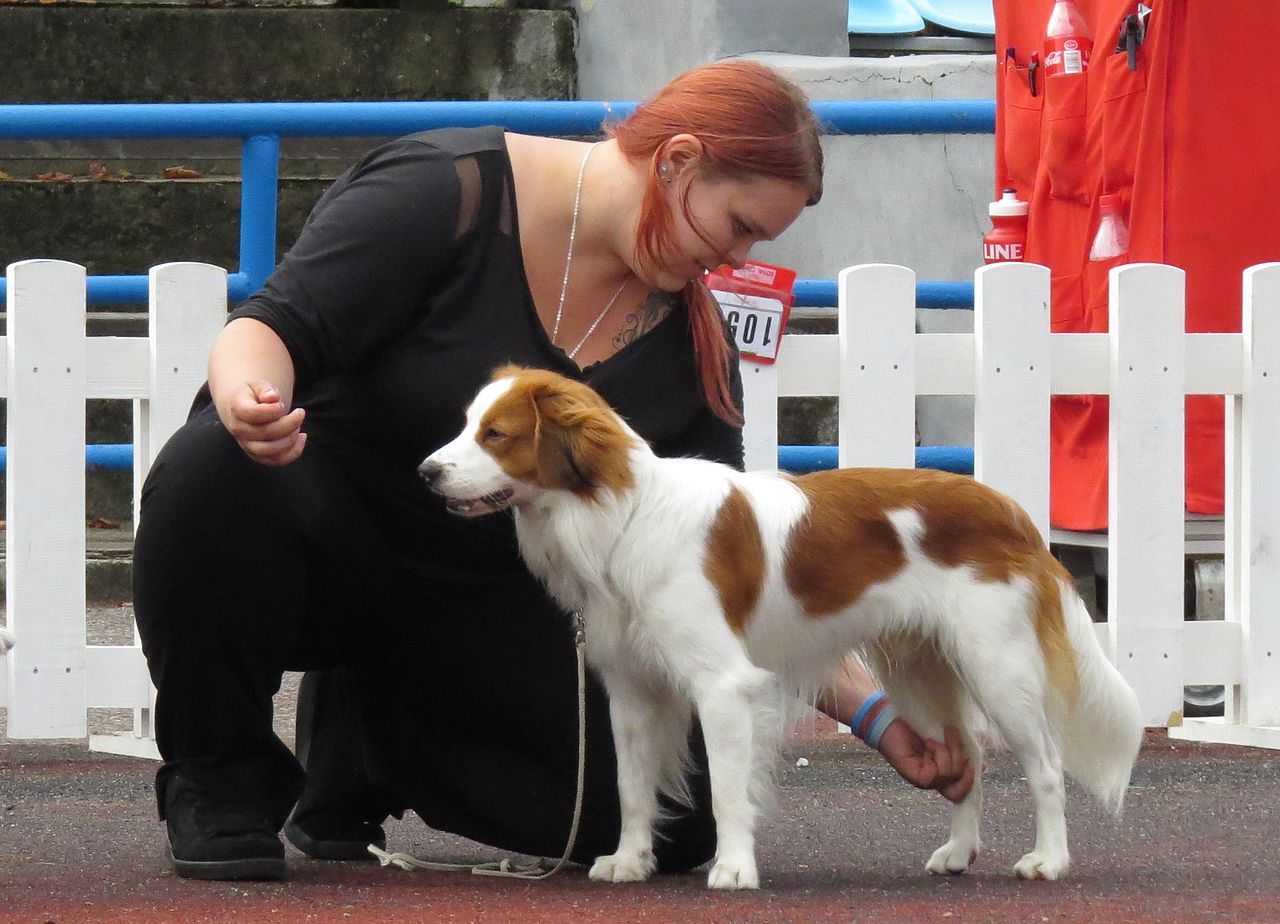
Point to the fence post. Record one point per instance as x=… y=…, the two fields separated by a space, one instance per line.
x=45 y=488
x=187 y=307
x=877 y=331
x=1011 y=384
x=1253 y=554
x=1146 y=520
x=760 y=415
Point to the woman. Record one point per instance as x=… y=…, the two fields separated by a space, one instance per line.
x=284 y=527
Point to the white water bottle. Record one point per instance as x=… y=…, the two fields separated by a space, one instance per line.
x=1112 y=237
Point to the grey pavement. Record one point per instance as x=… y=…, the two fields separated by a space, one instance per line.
x=79 y=841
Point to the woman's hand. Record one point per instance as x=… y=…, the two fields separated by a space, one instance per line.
x=269 y=433
x=926 y=763
x=251 y=379
x=922 y=762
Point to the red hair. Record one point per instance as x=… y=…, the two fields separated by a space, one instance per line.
x=752 y=122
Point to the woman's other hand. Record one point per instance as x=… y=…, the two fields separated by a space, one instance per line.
x=928 y=764
x=268 y=432
x=251 y=379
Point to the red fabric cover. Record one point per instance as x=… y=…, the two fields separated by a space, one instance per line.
x=1188 y=141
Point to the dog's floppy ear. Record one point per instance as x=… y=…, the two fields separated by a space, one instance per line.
x=580 y=445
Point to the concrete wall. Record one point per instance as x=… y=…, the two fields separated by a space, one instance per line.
x=629 y=48
x=121 y=54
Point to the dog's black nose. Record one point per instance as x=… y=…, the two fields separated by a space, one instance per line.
x=430 y=471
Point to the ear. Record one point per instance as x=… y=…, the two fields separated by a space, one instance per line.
x=684 y=152
x=561 y=450
x=578 y=444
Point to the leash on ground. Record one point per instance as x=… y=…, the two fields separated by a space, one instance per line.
x=529 y=869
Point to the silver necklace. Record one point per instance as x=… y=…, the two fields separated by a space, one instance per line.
x=568 y=262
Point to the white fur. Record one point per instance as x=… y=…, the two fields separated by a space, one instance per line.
x=7 y=641
x=950 y=649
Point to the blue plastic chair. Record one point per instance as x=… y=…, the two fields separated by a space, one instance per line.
x=976 y=17
x=883 y=17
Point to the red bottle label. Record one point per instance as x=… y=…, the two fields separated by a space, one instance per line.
x=1066 y=54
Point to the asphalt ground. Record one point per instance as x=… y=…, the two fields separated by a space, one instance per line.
x=1199 y=841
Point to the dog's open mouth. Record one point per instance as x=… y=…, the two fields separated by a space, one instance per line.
x=478 y=506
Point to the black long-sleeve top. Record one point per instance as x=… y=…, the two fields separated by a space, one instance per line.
x=405 y=289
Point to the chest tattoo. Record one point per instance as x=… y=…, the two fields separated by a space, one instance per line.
x=645 y=318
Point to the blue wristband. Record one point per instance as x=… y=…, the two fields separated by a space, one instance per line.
x=867 y=705
x=883 y=720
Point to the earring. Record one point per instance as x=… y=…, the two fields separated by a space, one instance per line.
x=664 y=172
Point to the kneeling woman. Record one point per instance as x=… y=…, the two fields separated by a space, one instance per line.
x=284 y=526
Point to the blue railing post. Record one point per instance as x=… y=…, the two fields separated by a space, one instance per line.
x=259 y=183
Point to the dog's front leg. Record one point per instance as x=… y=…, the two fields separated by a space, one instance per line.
x=726 y=708
x=634 y=712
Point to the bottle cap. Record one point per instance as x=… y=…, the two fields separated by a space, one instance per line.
x=1109 y=203
x=1008 y=205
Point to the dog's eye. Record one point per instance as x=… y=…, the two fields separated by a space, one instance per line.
x=492 y=435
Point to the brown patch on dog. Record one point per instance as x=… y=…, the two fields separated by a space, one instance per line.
x=967 y=523
x=734 y=562
x=846 y=543
x=557 y=433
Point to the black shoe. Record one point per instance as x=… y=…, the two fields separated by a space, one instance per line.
x=211 y=838
x=335 y=838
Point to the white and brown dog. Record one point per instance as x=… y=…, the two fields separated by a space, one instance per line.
x=705 y=588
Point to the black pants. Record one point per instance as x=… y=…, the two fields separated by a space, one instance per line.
x=454 y=698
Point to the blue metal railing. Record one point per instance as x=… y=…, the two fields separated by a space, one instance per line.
x=798 y=459
x=260 y=126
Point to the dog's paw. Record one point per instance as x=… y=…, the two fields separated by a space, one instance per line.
x=1042 y=865
x=7 y=640
x=952 y=858
x=734 y=873
x=623 y=867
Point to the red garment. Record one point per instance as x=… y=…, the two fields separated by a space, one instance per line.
x=1188 y=140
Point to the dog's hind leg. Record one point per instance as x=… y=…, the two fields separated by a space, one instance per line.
x=925 y=690
x=639 y=714
x=1009 y=681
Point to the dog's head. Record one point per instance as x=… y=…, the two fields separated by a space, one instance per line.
x=528 y=432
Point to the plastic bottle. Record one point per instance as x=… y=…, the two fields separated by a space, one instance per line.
x=1068 y=40
x=1008 y=235
x=1112 y=238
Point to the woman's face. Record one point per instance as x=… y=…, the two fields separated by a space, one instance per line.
x=733 y=214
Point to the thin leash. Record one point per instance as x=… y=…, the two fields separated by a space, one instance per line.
x=530 y=869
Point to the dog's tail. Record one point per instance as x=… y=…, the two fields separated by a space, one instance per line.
x=1101 y=727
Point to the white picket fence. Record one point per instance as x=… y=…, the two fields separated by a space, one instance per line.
x=52 y=677
x=876 y=365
